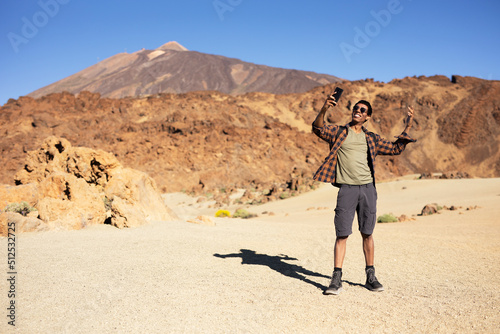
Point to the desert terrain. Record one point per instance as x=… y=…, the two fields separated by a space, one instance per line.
x=203 y=142
x=266 y=274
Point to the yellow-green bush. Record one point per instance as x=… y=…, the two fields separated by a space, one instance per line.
x=387 y=218
x=222 y=213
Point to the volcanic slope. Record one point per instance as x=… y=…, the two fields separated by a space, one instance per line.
x=173 y=69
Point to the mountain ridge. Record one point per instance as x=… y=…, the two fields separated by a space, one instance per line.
x=172 y=68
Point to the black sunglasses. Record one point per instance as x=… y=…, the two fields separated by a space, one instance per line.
x=362 y=109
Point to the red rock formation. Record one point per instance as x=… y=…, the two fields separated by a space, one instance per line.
x=205 y=141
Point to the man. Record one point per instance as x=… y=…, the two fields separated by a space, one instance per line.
x=350 y=165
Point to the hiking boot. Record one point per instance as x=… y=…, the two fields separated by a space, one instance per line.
x=335 y=285
x=372 y=283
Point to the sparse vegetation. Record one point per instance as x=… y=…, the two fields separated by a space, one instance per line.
x=107 y=203
x=314 y=185
x=22 y=208
x=222 y=213
x=284 y=195
x=387 y=218
x=242 y=213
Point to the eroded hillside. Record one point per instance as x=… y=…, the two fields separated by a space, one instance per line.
x=204 y=141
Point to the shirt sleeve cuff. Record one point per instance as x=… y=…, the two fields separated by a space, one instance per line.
x=404 y=136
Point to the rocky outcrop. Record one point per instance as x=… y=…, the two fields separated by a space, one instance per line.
x=430 y=209
x=74 y=187
x=16 y=194
x=20 y=223
x=194 y=142
x=204 y=142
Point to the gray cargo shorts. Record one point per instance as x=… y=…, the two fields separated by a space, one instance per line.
x=356 y=199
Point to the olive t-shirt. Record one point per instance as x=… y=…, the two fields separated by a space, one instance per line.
x=352 y=166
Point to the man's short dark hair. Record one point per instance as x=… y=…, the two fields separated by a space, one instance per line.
x=366 y=103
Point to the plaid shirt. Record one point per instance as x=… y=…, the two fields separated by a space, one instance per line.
x=335 y=135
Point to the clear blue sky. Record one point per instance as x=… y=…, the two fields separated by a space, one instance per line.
x=43 y=41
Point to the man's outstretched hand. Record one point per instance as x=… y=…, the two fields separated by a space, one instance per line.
x=409 y=118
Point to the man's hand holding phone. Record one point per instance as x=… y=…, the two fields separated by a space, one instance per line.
x=337 y=93
x=333 y=98
x=330 y=101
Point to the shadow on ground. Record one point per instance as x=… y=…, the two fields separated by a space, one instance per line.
x=355 y=284
x=278 y=264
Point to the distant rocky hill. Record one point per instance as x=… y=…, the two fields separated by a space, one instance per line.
x=209 y=141
x=173 y=69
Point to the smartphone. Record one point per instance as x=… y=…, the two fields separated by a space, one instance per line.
x=337 y=93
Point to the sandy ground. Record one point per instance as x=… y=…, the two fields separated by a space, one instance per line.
x=267 y=274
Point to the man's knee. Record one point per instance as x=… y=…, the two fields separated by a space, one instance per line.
x=341 y=241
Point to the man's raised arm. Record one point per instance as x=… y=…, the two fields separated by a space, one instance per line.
x=320 y=119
